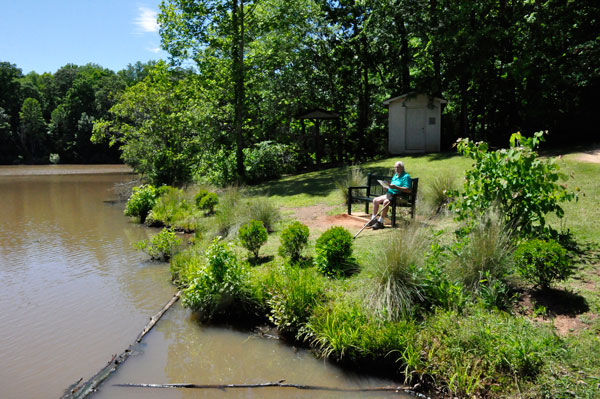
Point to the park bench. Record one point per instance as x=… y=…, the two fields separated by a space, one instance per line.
x=373 y=189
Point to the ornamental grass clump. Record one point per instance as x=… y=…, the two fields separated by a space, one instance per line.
x=253 y=235
x=439 y=192
x=394 y=287
x=542 y=262
x=218 y=289
x=264 y=211
x=172 y=209
x=334 y=253
x=353 y=177
x=293 y=239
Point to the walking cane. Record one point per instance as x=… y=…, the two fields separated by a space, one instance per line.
x=376 y=216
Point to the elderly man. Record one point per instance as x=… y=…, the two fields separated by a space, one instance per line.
x=401 y=183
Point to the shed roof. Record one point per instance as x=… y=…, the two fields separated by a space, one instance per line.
x=409 y=96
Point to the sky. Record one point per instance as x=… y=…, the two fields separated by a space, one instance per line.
x=44 y=35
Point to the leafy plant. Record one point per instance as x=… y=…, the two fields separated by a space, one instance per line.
x=217 y=288
x=293 y=294
x=268 y=160
x=542 y=262
x=206 y=201
x=141 y=201
x=524 y=187
x=162 y=246
x=253 y=235
x=293 y=239
x=334 y=252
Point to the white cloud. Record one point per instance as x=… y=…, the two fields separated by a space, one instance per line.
x=146 y=21
x=154 y=49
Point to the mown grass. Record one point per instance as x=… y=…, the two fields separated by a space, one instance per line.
x=460 y=344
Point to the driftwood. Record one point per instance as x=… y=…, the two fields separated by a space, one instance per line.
x=79 y=390
x=278 y=384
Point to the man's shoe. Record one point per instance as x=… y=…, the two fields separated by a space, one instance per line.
x=372 y=222
x=378 y=226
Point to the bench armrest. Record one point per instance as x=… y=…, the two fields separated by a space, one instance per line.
x=356 y=187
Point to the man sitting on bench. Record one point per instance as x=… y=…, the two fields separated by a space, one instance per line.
x=401 y=183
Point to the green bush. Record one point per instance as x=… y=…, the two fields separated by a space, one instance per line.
x=293 y=239
x=206 y=201
x=218 y=288
x=334 y=252
x=253 y=235
x=524 y=186
x=293 y=294
x=141 y=201
x=542 y=262
x=162 y=246
x=172 y=209
x=268 y=160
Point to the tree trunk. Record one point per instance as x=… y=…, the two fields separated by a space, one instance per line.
x=238 y=79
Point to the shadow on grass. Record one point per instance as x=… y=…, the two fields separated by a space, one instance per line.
x=560 y=302
x=260 y=260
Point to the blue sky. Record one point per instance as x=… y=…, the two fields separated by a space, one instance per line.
x=44 y=35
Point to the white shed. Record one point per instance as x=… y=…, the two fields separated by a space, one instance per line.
x=414 y=123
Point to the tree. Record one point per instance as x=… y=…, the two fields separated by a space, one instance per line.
x=32 y=131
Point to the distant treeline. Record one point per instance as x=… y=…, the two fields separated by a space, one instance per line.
x=503 y=65
x=49 y=117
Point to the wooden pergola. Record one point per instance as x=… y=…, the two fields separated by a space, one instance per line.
x=317 y=115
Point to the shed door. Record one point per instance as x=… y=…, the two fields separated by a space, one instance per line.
x=415 y=129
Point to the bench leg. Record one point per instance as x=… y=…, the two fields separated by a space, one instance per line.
x=349 y=202
x=394 y=215
x=367 y=208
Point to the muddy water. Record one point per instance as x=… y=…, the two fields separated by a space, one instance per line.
x=73 y=292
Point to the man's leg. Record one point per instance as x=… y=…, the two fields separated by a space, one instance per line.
x=376 y=202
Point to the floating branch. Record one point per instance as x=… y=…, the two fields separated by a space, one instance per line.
x=278 y=384
x=79 y=390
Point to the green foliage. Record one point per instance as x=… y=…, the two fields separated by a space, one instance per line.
x=293 y=239
x=173 y=209
x=268 y=160
x=206 y=201
x=394 y=287
x=354 y=177
x=141 y=201
x=465 y=349
x=523 y=186
x=253 y=235
x=32 y=131
x=542 y=262
x=261 y=209
x=486 y=253
x=343 y=330
x=162 y=246
x=334 y=252
x=293 y=294
x=217 y=287
x=54 y=158
x=439 y=191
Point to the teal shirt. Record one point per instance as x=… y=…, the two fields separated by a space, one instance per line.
x=403 y=180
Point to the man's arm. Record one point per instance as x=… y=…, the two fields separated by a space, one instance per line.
x=401 y=189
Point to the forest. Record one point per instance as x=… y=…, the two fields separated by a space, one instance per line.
x=241 y=72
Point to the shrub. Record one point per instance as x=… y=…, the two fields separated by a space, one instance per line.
x=264 y=211
x=141 y=201
x=524 y=187
x=334 y=252
x=172 y=209
x=253 y=235
x=293 y=294
x=268 y=160
x=542 y=262
x=293 y=239
x=207 y=202
x=162 y=246
x=354 y=176
x=218 y=288
x=54 y=158
x=394 y=286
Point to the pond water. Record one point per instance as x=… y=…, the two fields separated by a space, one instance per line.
x=74 y=292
